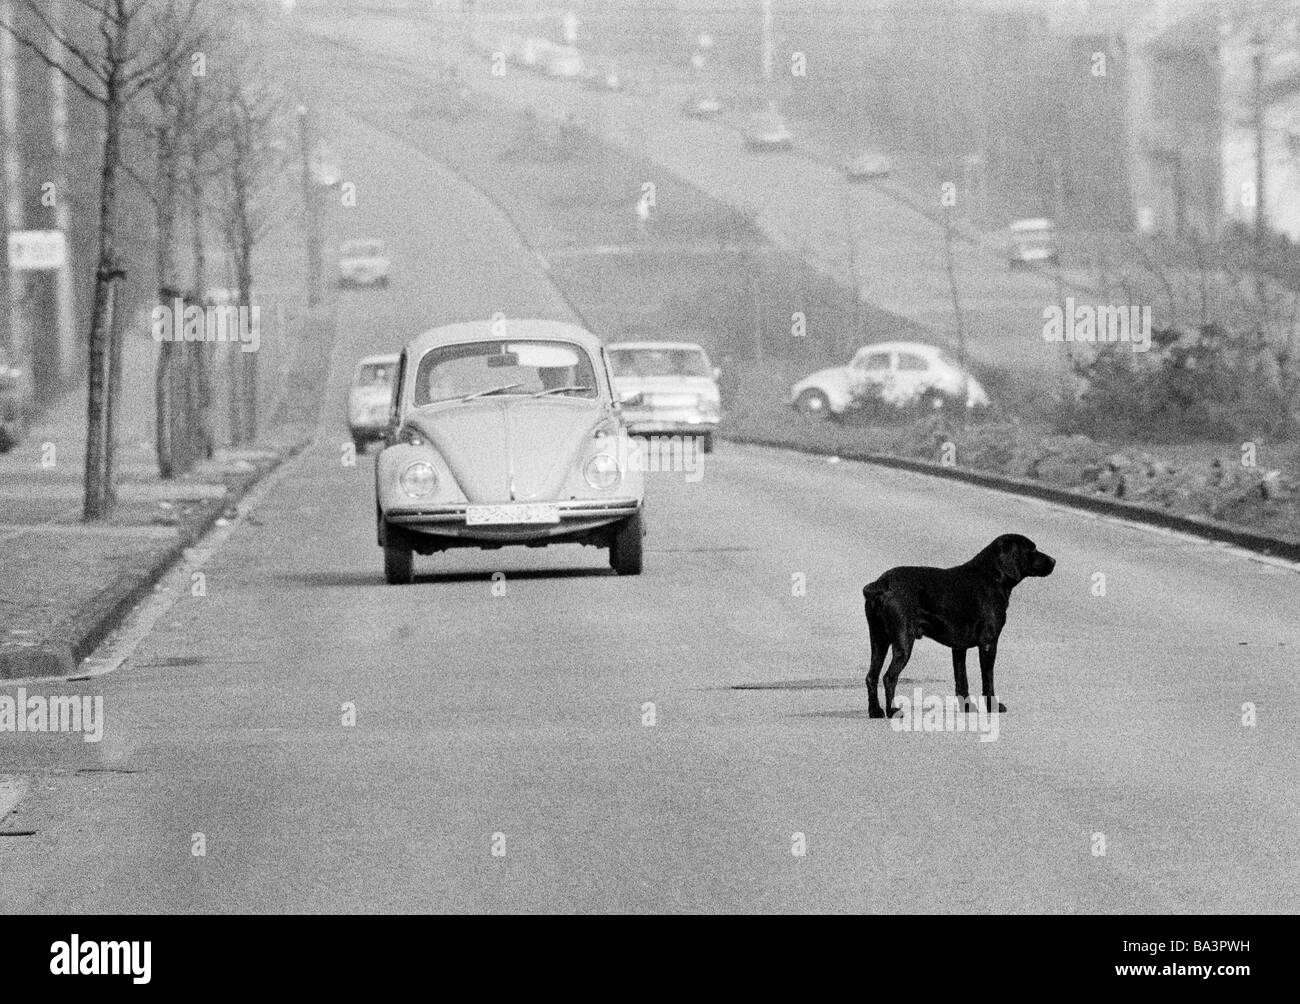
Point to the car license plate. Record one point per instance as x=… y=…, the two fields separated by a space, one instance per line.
x=481 y=515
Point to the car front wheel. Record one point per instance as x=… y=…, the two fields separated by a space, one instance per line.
x=813 y=404
x=625 y=546
x=399 y=560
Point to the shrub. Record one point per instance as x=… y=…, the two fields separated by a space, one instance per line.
x=1214 y=383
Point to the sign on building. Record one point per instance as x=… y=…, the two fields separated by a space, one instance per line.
x=37 y=250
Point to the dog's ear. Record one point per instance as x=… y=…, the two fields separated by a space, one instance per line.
x=1011 y=559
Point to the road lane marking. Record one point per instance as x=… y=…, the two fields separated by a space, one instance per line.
x=12 y=789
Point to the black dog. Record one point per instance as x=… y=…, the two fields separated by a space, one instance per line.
x=959 y=607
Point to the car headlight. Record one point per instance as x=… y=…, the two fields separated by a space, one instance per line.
x=602 y=471
x=418 y=480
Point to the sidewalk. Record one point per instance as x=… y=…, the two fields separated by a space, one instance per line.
x=64 y=584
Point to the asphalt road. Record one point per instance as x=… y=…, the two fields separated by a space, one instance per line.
x=518 y=721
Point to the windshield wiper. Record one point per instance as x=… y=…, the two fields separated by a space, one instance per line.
x=485 y=393
x=560 y=390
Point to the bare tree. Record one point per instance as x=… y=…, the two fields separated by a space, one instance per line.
x=175 y=123
x=255 y=130
x=111 y=51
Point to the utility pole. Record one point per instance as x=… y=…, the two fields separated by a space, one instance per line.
x=767 y=47
x=65 y=299
x=950 y=266
x=1058 y=199
x=851 y=243
x=1261 y=222
x=17 y=329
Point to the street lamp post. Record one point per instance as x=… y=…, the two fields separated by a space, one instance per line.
x=309 y=205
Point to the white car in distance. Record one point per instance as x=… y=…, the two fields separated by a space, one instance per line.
x=362 y=262
x=866 y=166
x=905 y=373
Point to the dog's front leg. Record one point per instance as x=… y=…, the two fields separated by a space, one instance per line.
x=959 y=678
x=988 y=656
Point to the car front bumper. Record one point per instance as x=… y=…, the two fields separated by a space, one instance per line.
x=693 y=425
x=363 y=278
x=577 y=516
x=688 y=421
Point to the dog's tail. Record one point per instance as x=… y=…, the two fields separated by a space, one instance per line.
x=873 y=594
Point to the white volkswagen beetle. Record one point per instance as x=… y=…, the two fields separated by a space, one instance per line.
x=506 y=432
x=903 y=373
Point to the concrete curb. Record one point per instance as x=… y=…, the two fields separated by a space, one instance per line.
x=82 y=633
x=1278 y=547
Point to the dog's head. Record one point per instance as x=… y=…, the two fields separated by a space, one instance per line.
x=1017 y=557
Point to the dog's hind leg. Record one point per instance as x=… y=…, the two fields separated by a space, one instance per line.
x=902 y=652
x=988 y=656
x=959 y=678
x=879 y=646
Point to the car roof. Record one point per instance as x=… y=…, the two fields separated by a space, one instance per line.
x=387 y=359
x=516 y=329
x=921 y=348
x=655 y=346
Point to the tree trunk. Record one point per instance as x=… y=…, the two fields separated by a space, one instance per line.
x=247 y=360
x=103 y=369
x=201 y=372
x=168 y=420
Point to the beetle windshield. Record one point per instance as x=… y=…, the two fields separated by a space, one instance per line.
x=452 y=372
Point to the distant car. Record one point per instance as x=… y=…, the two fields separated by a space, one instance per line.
x=563 y=61
x=1032 y=242
x=768 y=132
x=506 y=437
x=703 y=106
x=370 y=399
x=605 y=78
x=866 y=166
x=903 y=373
x=15 y=403
x=363 y=263
x=667 y=389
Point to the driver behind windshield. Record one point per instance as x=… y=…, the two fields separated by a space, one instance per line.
x=461 y=371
